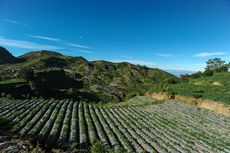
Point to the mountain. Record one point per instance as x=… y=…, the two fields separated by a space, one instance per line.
x=108 y=81
x=178 y=73
x=6 y=57
x=39 y=54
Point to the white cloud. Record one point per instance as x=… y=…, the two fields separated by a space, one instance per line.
x=165 y=55
x=46 y=38
x=25 y=44
x=78 y=46
x=207 y=54
x=15 y=22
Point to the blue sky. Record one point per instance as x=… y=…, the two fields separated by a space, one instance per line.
x=168 y=34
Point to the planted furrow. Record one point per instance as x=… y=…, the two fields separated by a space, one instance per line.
x=10 y=108
x=29 y=117
x=36 y=119
x=20 y=111
x=24 y=114
x=137 y=141
x=84 y=144
x=98 y=126
x=93 y=137
x=65 y=131
x=36 y=129
x=74 y=125
x=142 y=137
x=156 y=125
x=5 y=103
x=117 y=129
x=108 y=127
x=184 y=132
x=56 y=130
x=44 y=133
x=152 y=131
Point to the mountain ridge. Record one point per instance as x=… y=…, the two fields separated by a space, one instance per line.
x=109 y=81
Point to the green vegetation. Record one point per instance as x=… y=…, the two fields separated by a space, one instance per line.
x=60 y=77
x=222 y=78
x=217 y=65
x=13 y=81
x=212 y=84
x=137 y=101
x=215 y=93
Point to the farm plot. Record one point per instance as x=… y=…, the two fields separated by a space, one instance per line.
x=161 y=127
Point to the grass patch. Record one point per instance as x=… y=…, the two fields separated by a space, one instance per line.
x=13 y=81
x=215 y=93
x=137 y=101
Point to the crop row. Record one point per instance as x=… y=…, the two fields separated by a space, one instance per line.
x=168 y=127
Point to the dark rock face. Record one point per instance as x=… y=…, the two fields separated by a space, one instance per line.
x=6 y=57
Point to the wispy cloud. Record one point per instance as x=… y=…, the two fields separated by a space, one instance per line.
x=165 y=55
x=45 y=38
x=207 y=54
x=85 y=51
x=25 y=44
x=15 y=22
x=78 y=46
x=133 y=61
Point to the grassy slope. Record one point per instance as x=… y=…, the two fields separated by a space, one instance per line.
x=205 y=87
x=223 y=78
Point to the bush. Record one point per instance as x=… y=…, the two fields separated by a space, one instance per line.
x=171 y=81
x=131 y=95
x=208 y=73
x=199 y=91
x=197 y=95
x=196 y=75
x=26 y=73
x=99 y=147
x=184 y=78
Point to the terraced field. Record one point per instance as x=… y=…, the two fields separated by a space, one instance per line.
x=161 y=127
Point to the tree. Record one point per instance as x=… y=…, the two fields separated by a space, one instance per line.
x=26 y=73
x=217 y=65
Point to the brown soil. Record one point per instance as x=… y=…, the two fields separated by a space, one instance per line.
x=211 y=84
x=158 y=96
x=203 y=103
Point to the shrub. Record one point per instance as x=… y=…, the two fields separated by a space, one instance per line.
x=131 y=95
x=196 y=75
x=98 y=147
x=208 y=72
x=184 y=78
x=26 y=73
x=197 y=95
x=199 y=91
x=171 y=80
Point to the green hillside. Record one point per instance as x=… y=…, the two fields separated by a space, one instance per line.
x=102 y=80
x=221 y=79
x=215 y=87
